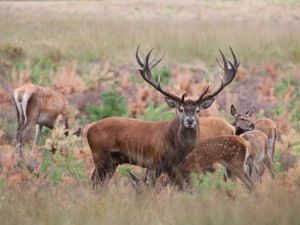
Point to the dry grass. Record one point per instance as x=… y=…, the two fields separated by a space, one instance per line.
x=273 y=203
x=265 y=35
x=187 y=31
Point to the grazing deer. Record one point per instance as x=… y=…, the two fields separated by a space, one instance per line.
x=38 y=105
x=243 y=123
x=233 y=152
x=158 y=146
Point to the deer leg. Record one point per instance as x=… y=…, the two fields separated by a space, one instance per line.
x=22 y=132
x=149 y=178
x=240 y=173
x=20 y=119
x=270 y=166
x=105 y=166
x=99 y=174
x=38 y=130
x=228 y=175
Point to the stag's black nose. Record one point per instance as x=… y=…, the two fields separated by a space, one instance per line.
x=190 y=120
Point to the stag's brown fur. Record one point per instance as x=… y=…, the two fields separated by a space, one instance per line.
x=229 y=151
x=38 y=105
x=214 y=126
x=154 y=145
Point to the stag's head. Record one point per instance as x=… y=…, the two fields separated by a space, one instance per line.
x=186 y=109
x=242 y=122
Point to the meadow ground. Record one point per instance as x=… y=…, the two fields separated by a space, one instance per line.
x=86 y=51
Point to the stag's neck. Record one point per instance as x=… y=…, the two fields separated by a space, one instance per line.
x=184 y=139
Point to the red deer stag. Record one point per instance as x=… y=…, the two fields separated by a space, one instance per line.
x=158 y=146
x=243 y=123
x=233 y=152
x=38 y=105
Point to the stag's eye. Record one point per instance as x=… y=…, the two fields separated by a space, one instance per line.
x=180 y=109
x=197 y=110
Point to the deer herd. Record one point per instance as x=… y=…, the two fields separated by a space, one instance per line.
x=175 y=148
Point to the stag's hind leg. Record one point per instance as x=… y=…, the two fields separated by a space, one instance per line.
x=100 y=173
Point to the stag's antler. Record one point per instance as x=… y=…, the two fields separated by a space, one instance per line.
x=147 y=74
x=229 y=74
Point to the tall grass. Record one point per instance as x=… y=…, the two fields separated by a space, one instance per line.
x=194 y=31
x=119 y=204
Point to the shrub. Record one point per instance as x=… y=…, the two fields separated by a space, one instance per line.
x=156 y=113
x=164 y=74
x=41 y=69
x=113 y=104
x=210 y=182
x=63 y=162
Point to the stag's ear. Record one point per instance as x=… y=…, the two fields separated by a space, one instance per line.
x=207 y=103
x=233 y=111
x=172 y=103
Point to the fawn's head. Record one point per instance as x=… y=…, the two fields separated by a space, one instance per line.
x=242 y=122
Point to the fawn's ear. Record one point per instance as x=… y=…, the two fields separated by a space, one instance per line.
x=207 y=103
x=250 y=111
x=172 y=103
x=233 y=111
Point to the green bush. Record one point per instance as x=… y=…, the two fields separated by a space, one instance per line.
x=113 y=104
x=291 y=105
x=41 y=70
x=159 y=113
x=164 y=74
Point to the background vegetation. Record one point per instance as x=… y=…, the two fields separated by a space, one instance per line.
x=86 y=51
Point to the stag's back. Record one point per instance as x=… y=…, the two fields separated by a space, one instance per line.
x=214 y=126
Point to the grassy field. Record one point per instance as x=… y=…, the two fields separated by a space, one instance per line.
x=86 y=51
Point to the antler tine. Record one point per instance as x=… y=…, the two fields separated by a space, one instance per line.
x=138 y=59
x=229 y=74
x=158 y=61
x=147 y=76
x=224 y=61
x=183 y=96
x=235 y=60
x=203 y=93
